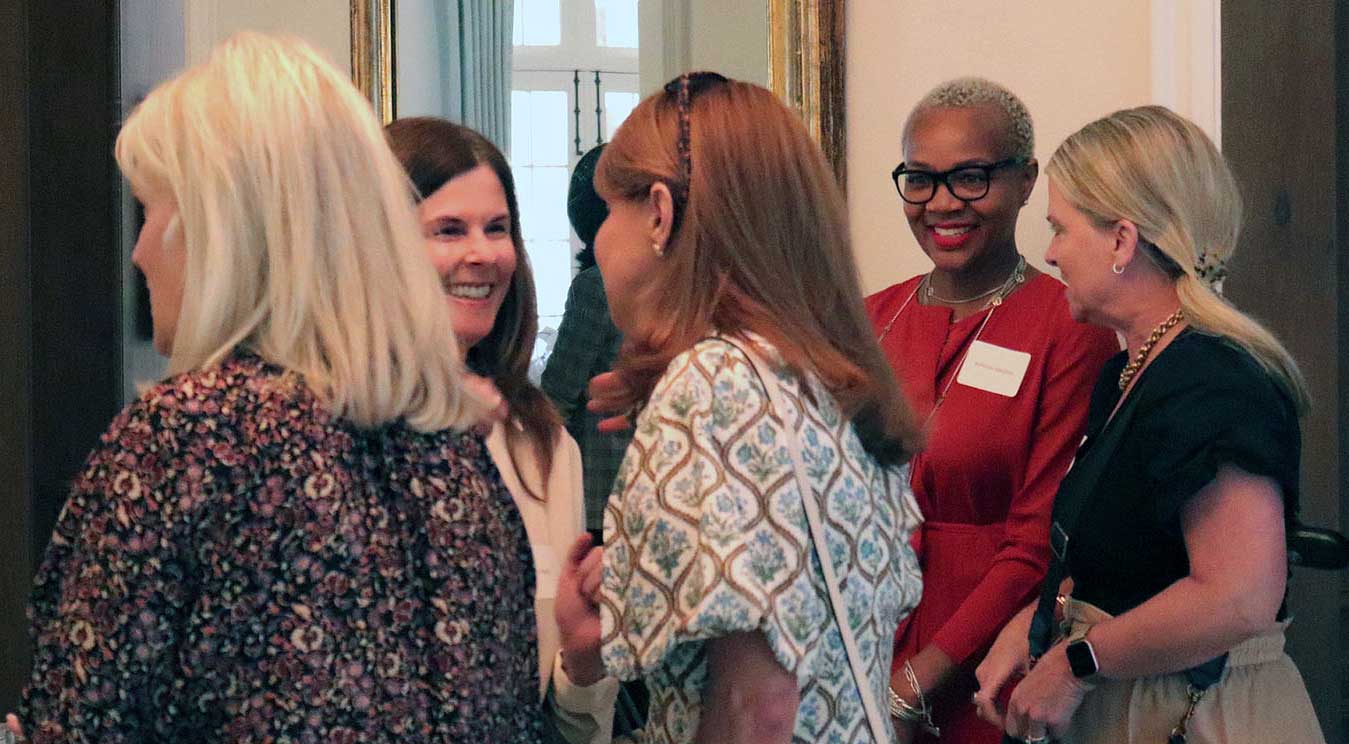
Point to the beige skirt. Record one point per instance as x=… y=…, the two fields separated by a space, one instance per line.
x=1260 y=699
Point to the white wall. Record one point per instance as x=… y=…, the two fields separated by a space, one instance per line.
x=418 y=68
x=727 y=36
x=323 y=23
x=152 y=50
x=1069 y=61
x=730 y=37
x=162 y=37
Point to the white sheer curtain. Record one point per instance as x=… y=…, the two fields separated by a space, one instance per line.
x=454 y=61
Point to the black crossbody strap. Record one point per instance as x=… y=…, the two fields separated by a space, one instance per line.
x=1075 y=492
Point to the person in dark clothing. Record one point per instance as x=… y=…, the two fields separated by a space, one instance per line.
x=587 y=344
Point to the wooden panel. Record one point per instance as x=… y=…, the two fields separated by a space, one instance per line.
x=15 y=547
x=76 y=257
x=1279 y=112
x=60 y=281
x=1342 y=243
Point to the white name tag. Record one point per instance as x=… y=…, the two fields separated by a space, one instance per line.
x=993 y=368
x=547 y=571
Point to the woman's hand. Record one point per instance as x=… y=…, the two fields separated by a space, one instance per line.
x=578 y=613
x=12 y=725
x=605 y=393
x=486 y=391
x=1008 y=659
x=1045 y=701
x=932 y=669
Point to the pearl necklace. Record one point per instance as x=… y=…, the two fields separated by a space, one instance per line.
x=1127 y=374
x=1017 y=276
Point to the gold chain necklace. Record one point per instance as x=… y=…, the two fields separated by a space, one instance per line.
x=1126 y=375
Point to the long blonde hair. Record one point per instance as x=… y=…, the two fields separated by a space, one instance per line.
x=1160 y=171
x=301 y=235
x=760 y=245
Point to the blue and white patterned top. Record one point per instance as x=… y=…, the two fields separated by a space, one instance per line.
x=706 y=536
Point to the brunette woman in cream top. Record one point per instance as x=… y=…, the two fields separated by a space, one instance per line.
x=471 y=224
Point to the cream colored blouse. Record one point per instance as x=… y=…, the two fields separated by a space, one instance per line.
x=583 y=714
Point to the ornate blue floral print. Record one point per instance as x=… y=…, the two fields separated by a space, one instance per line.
x=707 y=536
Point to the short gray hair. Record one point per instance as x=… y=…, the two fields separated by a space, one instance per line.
x=975 y=92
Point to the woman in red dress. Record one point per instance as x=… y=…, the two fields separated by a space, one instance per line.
x=989 y=357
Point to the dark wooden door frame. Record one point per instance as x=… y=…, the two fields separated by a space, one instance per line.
x=1341 y=246
x=60 y=277
x=15 y=333
x=1283 y=74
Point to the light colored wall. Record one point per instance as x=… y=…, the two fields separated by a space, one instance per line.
x=1069 y=61
x=162 y=37
x=663 y=26
x=419 y=60
x=324 y=23
x=152 y=50
x=728 y=36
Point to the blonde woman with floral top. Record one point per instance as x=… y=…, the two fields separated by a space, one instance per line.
x=296 y=536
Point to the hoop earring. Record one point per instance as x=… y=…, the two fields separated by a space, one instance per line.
x=658 y=249
x=1117 y=269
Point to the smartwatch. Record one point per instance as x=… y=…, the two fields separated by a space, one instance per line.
x=1082 y=659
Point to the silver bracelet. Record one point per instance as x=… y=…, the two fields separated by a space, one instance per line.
x=917 y=689
x=902 y=710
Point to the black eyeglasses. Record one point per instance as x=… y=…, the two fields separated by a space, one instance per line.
x=967 y=183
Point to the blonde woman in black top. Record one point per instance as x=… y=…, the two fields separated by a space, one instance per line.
x=1170 y=525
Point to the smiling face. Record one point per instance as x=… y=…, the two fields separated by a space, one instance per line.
x=467 y=225
x=957 y=234
x=161 y=255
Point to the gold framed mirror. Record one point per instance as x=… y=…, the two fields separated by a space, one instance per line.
x=372 y=53
x=807 y=69
x=806 y=65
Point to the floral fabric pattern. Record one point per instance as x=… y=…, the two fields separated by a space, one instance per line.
x=706 y=535
x=236 y=565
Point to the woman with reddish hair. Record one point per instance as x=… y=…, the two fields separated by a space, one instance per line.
x=756 y=560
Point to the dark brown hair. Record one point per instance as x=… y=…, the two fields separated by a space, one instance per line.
x=435 y=151
x=760 y=245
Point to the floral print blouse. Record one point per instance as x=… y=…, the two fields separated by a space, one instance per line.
x=706 y=535
x=236 y=565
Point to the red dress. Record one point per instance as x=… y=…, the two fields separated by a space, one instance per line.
x=989 y=470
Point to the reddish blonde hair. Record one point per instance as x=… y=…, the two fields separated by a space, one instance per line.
x=760 y=246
